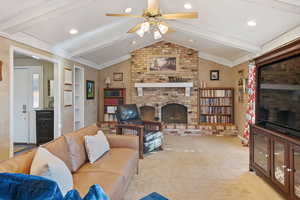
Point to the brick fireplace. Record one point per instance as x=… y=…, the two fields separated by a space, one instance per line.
x=161 y=101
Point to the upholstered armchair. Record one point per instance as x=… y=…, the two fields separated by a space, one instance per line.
x=149 y=132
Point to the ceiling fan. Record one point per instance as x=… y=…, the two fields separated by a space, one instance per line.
x=154 y=20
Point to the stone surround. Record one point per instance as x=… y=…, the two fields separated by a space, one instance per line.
x=188 y=62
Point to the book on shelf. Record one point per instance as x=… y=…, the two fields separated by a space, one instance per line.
x=215 y=119
x=111 y=109
x=113 y=93
x=216 y=110
x=110 y=118
x=215 y=102
x=215 y=93
x=113 y=101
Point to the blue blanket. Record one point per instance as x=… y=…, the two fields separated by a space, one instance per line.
x=28 y=187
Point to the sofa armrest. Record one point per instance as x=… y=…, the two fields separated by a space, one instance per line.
x=123 y=141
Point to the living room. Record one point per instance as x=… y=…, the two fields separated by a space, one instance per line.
x=194 y=99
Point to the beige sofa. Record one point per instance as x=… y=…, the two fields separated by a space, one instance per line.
x=113 y=172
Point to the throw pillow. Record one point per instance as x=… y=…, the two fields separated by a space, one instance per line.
x=96 y=146
x=49 y=166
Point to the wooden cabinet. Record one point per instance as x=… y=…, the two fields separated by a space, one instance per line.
x=112 y=98
x=44 y=126
x=276 y=158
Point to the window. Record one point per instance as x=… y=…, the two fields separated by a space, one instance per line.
x=35 y=90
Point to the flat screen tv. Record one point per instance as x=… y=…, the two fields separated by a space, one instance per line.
x=279 y=96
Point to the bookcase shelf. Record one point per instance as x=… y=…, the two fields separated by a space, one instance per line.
x=216 y=106
x=112 y=98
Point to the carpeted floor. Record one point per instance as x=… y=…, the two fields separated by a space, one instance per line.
x=200 y=168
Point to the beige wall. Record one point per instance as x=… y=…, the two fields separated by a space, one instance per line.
x=124 y=67
x=240 y=108
x=67 y=114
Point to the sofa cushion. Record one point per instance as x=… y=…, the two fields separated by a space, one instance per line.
x=75 y=141
x=59 y=148
x=96 y=146
x=121 y=161
x=111 y=183
x=18 y=164
x=47 y=165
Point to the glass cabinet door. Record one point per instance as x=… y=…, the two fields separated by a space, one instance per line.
x=295 y=170
x=261 y=152
x=280 y=165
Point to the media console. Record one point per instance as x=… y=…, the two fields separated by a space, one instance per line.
x=274 y=150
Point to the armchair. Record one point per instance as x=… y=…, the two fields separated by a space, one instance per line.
x=149 y=132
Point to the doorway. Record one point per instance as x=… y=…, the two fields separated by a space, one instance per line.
x=35 y=100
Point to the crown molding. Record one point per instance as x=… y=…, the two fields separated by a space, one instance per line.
x=115 y=61
x=215 y=59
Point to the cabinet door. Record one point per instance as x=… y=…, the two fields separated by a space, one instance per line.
x=261 y=152
x=280 y=164
x=295 y=172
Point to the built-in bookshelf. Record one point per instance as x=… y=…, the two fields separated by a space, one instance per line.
x=112 y=98
x=216 y=106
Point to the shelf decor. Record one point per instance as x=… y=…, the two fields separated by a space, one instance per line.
x=90 y=89
x=118 y=76
x=112 y=98
x=216 y=106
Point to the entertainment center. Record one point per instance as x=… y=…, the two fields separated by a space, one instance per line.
x=275 y=137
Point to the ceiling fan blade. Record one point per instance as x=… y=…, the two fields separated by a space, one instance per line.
x=134 y=29
x=153 y=6
x=123 y=15
x=191 y=15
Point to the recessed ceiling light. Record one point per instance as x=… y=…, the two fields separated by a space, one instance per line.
x=73 y=31
x=133 y=42
x=251 y=23
x=35 y=57
x=190 y=40
x=188 y=6
x=128 y=10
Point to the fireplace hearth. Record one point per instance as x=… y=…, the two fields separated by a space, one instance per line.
x=174 y=113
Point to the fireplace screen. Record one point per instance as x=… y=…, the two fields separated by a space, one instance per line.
x=174 y=113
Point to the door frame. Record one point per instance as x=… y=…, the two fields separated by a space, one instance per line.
x=58 y=66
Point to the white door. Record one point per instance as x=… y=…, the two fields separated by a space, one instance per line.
x=28 y=96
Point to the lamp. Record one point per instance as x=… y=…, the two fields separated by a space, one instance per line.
x=107 y=82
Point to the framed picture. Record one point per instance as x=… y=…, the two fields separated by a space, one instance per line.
x=90 y=89
x=68 y=76
x=214 y=75
x=0 y=70
x=118 y=76
x=68 y=98
x=163 y=64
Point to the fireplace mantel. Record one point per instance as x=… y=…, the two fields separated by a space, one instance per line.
x=187 y=85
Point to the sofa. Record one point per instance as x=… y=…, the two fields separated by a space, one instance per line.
x=113 y=171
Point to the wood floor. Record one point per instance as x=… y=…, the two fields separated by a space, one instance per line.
x=200 y=168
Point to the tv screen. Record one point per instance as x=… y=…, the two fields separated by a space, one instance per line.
x=279 y=95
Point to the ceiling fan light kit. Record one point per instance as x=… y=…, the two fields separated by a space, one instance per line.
x=154 y=20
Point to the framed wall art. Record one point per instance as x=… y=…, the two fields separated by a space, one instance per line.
x=163 y=63
x=1 y=71
x=118 y=76
x=214 y=75
x=90 y=89
x=68 y=76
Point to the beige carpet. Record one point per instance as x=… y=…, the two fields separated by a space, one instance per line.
x=200 y=168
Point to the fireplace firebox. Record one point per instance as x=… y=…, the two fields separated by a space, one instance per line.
x=174 y=113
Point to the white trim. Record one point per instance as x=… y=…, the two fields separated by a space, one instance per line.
x=216 y=59
x=243 y=59
x=57 y=91
x=115 y=61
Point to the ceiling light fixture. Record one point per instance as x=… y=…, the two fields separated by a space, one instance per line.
x=251 y=23
x=128 y=10
x=140 y=32
x=35 y=57
x=73 y=31
x=157 y=35
x=188 y=6
x=163 y=28
x=190 y=40
x=133 y=42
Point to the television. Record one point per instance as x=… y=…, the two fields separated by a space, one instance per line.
x=278 y=105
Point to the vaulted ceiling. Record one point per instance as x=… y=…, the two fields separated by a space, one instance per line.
x=220 y=34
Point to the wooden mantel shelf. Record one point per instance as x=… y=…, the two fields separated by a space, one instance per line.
x=186 y=85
